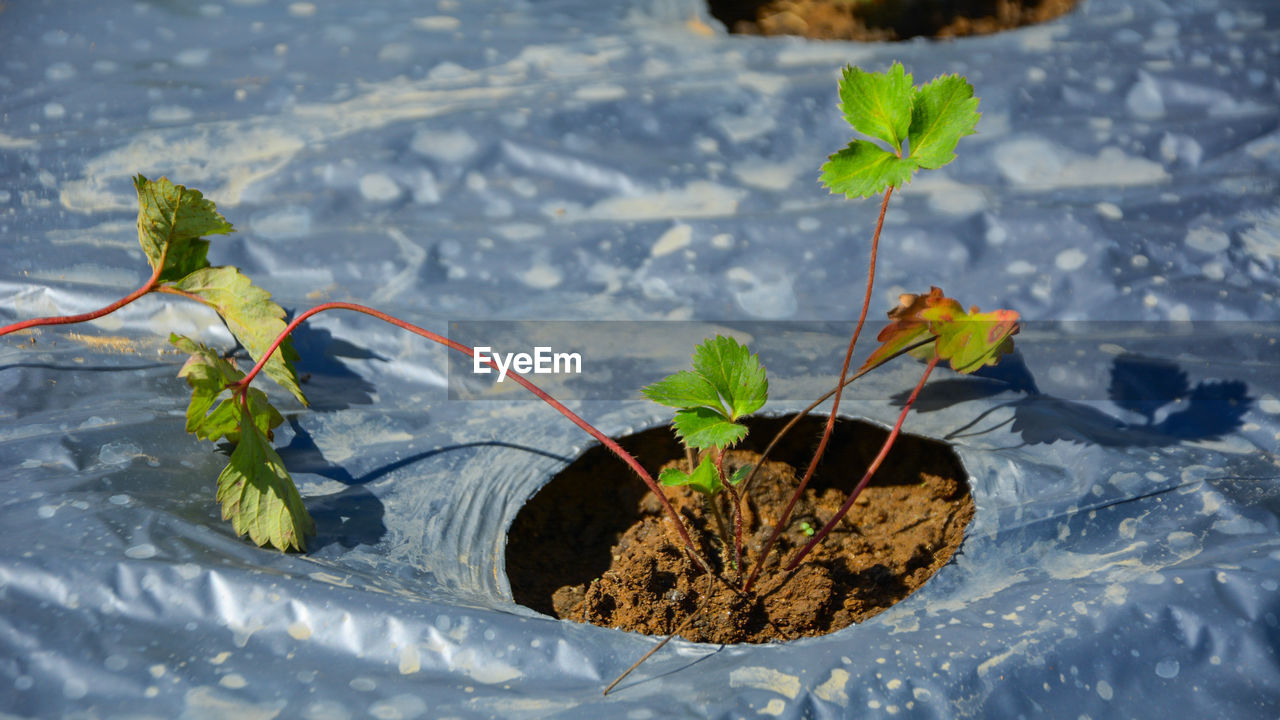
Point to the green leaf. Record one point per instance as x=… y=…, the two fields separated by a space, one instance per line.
x=171 y=221
x=974 y=339
x=702 y=428
x=208 y=375
x=736 y=374
x=205 y=367
x=967 y=339
x=255 y=489
x=684 y=390
x=212 y=413
x=944 y=110
x=740 y=474
x=931 y=119
x=862 y=169
x=878 y=105
x=906 y=326
x=727 y=382
x=251 y=315
x=704 y=479
x=259 y=497
x=673 y=476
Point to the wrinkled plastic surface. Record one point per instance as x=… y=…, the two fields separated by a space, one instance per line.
x=577 y=160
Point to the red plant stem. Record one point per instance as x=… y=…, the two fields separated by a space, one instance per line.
x=866 y=478
x=835 y=404
x=795 y=420
x=147 y=287
x=737 y=511
x=605 y=440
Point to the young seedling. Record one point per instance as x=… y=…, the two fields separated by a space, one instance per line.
x=932 y=327
x=727 y=383
x=899 y=128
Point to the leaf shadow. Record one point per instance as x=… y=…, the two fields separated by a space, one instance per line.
x=329 y=383
x=1140 y=385
x=355 y=516
x=84 y=368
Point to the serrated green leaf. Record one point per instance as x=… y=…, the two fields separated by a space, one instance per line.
x=264 y=414
x=683 y=390
x=251 y=315
x=259 y=497
x=224 y=420
x=931 y=119
x=702 y=428
x=878 y=105
x=974 y=339
x=205 y=367
x=208 y=375
x=171 y=222
x=862 y=169
x=705 y=479
x=673 y=476
x=967 y=339
x=212 y=413
x=727 y=382
x=740 y=474
x=944 y=110
x=736 y=374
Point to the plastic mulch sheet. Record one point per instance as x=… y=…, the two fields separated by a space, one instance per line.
x=481 y=161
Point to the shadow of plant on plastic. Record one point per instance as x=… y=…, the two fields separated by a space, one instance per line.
x=1141 y=385
x=355 y=516
x=332 y=385
x=76 y=367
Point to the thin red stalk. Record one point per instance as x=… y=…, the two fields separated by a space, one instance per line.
x=737 y=512
x=147 y=287
x=777 y=438
x=835 y=405
x=605 y=440
x=866 y=478
x=721 y=525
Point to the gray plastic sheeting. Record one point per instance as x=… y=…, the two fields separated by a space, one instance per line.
x=630 y=161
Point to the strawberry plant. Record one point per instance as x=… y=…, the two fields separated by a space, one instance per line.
x=256 y=491
x=726 y=384
x=899 y=128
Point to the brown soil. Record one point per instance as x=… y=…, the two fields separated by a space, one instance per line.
x=593 y=545
x=874 y=20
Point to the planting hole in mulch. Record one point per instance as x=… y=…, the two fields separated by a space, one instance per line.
x=877 y=20
x=594 y=546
